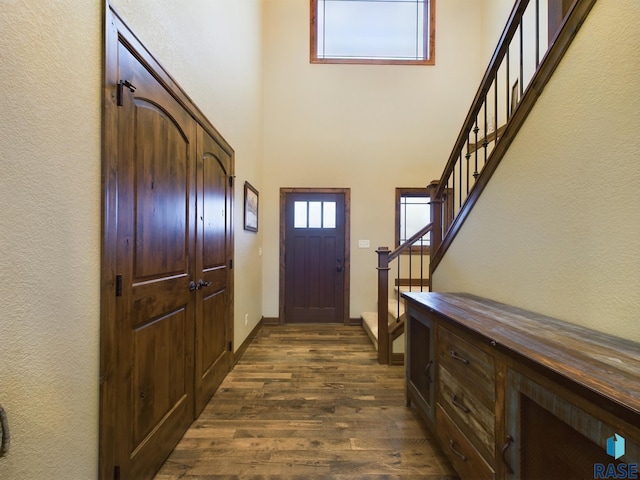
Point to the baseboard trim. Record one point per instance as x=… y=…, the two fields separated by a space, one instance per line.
x=275 y=321
x=271 y=321
x=397 y=359
x=237 y=355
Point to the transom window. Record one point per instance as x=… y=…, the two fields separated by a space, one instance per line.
x=314 y=215
x=413 y=213
x=373 y=31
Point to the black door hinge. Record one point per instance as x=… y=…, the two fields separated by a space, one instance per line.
x=118 y=285
x=116 y=472
x=231 y=180
x=121 y=87
x=231 y=264
x=231 y=346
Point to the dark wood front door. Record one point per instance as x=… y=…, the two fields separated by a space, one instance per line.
x=315 y=260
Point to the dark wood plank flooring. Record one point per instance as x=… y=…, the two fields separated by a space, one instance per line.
x=308 y=401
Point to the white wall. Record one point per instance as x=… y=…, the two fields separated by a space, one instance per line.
x=368 y=127
x=557 y=230
x=50 y=191
x=495 y=14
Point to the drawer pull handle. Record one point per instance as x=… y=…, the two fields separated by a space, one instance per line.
x=453 y=449
x=455 y=356
x=503 y=454
x=455 y=402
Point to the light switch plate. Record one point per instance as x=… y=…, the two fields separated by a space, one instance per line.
x=363 y=244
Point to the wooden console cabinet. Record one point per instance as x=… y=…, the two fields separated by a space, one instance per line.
x=512 y=394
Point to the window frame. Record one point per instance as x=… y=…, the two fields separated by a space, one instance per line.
x=430 y=60
x=409 y=192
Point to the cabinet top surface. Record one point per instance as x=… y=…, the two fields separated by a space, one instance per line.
x=605 y=364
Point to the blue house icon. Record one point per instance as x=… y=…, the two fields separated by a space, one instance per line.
x=615 y=446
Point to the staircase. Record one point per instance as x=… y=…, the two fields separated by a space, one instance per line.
x=395 y=326
x=386 y=326
x=528 y=52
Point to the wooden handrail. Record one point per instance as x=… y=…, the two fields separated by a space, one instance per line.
x=410 y=241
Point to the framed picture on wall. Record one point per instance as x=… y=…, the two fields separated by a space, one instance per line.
x=250 y=207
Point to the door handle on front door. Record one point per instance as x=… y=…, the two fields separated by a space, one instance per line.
x=202 y=284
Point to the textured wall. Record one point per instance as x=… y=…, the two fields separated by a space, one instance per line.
x=368 y=127
x=50 y=236
x=50 y=66
x=557 y=230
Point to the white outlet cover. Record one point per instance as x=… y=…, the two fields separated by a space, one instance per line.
x=363 y=244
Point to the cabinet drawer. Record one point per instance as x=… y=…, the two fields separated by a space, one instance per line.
x=463 y=456
x=470 y=414
x=469 y=364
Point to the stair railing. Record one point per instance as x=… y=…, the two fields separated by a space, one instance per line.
x=536 y=36
x=385 y=257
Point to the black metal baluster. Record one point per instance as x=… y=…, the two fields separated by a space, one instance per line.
x=537 y=33
x=467 y=156
x=495 y=110
x=508 y=85
x=521 y=82
x=453 y=191
x=398 y=282
x=486 y=135
x=460 y=181
x=421 y=261
x=410 y=272
x=475 y=131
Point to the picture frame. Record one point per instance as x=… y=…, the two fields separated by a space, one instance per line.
x=251 y=198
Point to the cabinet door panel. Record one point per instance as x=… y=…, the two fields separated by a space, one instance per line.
x=555 y=438
x=421 y=369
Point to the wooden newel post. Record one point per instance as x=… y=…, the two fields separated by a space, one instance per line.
x=436 y=219
x=383 y=305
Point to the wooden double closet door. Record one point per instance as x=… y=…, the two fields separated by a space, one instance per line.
x=167 y=328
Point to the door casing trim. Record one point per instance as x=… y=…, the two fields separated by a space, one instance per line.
x=347 y=245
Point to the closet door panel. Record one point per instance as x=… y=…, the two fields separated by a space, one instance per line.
x=156 y=312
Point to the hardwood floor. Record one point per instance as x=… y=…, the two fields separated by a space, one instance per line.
x=308 y=401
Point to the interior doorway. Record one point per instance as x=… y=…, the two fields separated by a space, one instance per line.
x=314 y=255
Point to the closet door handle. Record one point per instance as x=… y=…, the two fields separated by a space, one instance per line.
x=193 y=286
x=202 y=284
